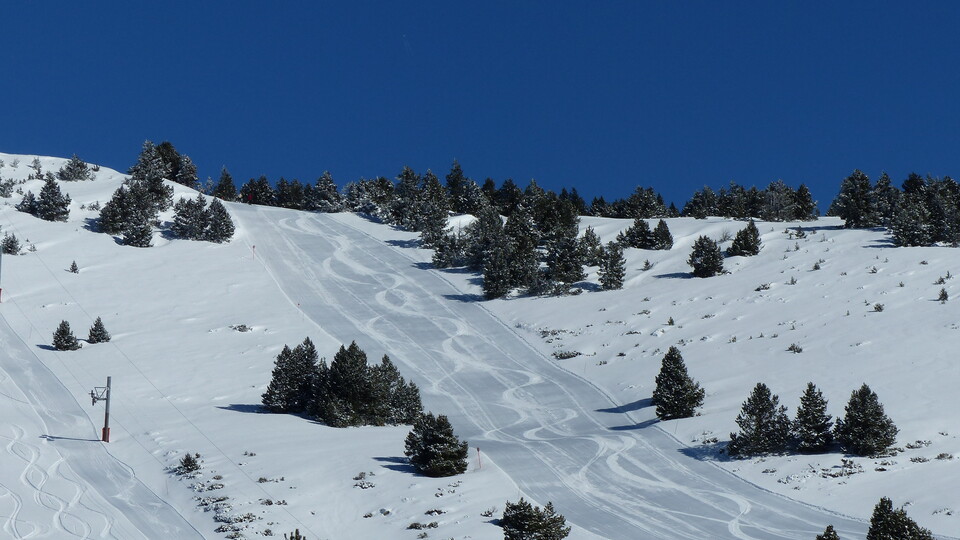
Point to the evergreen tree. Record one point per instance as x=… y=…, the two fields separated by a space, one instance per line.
x=352 y=388
x=74 y=170
x=137 y=231
x=804 y=207
x=433 y=449
x=220 y=227
x=406 y=200
x=706 y=258
x=225 y=190
x=865 y=429
x=10 y=245
x=449 y=251
x=612 y=267
x=186 y=173
x=661 y=237
x=523 y=521
x=28 y=204
x=258 y=192
x=481 y=235
x=564 y=263
x=889 y=524
x=590 y=247
x=509 y=197
x=63 y=338
x=637 y=235
x=703 y=203
x=828 y=534
x=853 y=204
x=190 y=218
x=523 y=238
x=764 y=426
x=394 y=400
x=74 y=269
x=325 y=194
x=291 y=385
x=98 y=332
x=812 y=426
x=911 y=224
x=153 y=166
x=886 y=200
x=676 y=394
x=746 y=243
x=52 y=205
x=433 y=223
x=778 y=202
x=496 y=269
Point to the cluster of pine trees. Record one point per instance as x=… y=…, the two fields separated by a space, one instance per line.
x=64 y=340
x=922 y=212
x=322 y=196
x=523 y=521
x=765 y=428
x=706 y=257
x=778 y=202
x=193 y=220
x=75 y=170
x=348 y=392
x=51 y=205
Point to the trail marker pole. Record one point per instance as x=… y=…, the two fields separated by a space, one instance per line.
x=479 y=463
x=254 y=250
x=103 y=393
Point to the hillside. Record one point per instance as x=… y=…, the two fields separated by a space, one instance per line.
x=578 y=432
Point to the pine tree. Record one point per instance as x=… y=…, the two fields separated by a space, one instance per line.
x=406 y=200
x=637 y=235
x=496 y=269
x=98 y=332
x=10 y=245
x=865 y=429
x=523 y=238
x=612 y=267
x=828 y=534
x=676 y=394
x=449 y=251
x=291 y=386
x=349 y=380
x=190 y=218
x=705 y=258
x=28 y=204
x=186 y=173
x=394 y=401
x=889 y=524
x=804 y=207
x=480 y=236
x=911 y=225
x=75 y=170
x=63 y=338
x=812 y=426
x=886 y=200
x=225 y=190
x=853 y=204
x=52 y=205
x=523 y=521
x=746 y=243
x=457 y=189
x=220 y=227
x=590 y=247
x=138 y=232
x=258 y=192
x=74 y=269
x=661 y=238
x=434 y=450
x=327 y=198
x=154 y=164
x=433 y=223
x=564 y=263
x=764 y=426
x=944 y=296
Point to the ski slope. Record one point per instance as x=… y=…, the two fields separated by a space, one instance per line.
x=553 y=432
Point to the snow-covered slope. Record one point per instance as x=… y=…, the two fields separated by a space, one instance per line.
x=578 y=432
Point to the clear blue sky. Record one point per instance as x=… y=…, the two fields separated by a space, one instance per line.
x=601 y=96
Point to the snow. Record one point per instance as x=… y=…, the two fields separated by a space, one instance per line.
x=578 y=432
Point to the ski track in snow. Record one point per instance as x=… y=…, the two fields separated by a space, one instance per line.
x=603 y=471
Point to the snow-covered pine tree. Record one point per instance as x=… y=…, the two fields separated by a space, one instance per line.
x=676 y=395
x=661 y=237
x=705 y=258
x=507 y=198
x=886 y=200
x=828 y=534
x=186 y=173
x=63 y=338
x=889 y=524
x=74 y=269
x=590 y=247
x=496 y=268
x=291 y=385
x=220 y=227
x=150 y=170
x=225 y=189
x=746 y=243
x=564 y=263
x=911 y=224
x=612 y=267
x=480 y=236
x=28 y=204
x=804 y=207
x=813 y=426
x=350 y=388
x=523 y=238
x=258 y=192
x=433 y=448
x=523 y=521
x=52 y=205
x=404 y=211
x=637 y=235
x=449 y=251
x=764 y=426
x=75 y=170
x=10 y=245
x=393 y=400
x=703 y=203
x=865 y=429
x=853 y=204
x=98 y=332
x=433 y=223
x=457 y=189
x=138 y=231
x=190 y=218
x=326 y=196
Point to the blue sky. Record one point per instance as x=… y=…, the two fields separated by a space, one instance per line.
x=601 y=96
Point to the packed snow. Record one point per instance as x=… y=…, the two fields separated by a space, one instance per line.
x=196 y=328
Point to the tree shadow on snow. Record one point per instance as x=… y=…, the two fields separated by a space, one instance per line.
x=627 y=407
x=397 y=463
x=246 y=408
x=465 y=297
x=56 y=438
x=631 y=427
x=46 y=347
x=713 y=451
x=92 y=224
x=675 y=275
x=405 y=243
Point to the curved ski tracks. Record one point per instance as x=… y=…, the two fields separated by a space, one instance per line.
x=541 y=424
